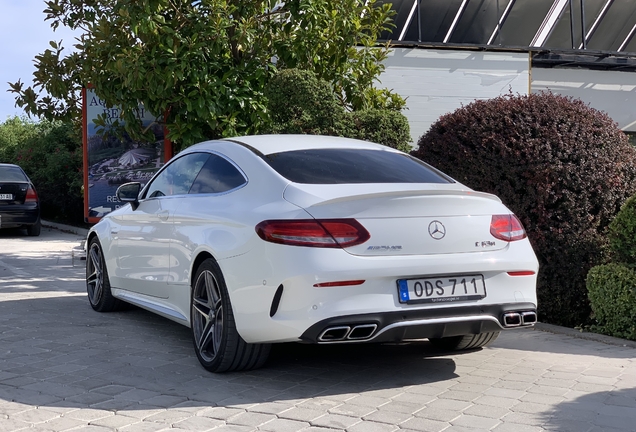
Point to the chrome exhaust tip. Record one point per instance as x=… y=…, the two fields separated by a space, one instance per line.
x=332 y=334
x=512 y=319
x=363 y=331
x=528 y=318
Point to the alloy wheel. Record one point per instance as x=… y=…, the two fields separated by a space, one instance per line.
x=95 y=274
x=207 y=315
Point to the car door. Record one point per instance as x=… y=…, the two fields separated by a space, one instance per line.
x=207 y=215
x=143 y=240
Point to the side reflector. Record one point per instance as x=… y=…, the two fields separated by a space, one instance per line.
x=521 y=273
x=340 y=283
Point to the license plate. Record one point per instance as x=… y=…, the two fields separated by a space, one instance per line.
x=442 y=289
x=7 y=197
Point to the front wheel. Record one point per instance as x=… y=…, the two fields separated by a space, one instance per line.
x=97 y=283
x=217 y=343
x=465 y=342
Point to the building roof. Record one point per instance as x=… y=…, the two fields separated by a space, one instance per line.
x=607 y=26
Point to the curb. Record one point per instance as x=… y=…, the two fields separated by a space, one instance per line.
x=65 y=228
x=608 y=340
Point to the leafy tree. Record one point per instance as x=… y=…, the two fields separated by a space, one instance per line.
x=206 y=63
x=14 y=131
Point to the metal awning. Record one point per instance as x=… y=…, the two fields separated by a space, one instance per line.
x=571 y=25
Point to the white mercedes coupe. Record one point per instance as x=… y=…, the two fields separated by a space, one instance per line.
x=256 y=240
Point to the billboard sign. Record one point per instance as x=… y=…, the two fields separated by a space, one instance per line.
x=113 y=159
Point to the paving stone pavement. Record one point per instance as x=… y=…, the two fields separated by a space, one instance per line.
x=65 y=367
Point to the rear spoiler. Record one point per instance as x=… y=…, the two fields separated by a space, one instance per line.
x=319 y=195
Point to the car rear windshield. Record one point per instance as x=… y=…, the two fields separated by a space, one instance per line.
x=340 y=166
x=11 y=174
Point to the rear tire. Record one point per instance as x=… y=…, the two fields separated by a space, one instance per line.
x=217 y=343
x=34 y=230
x=465 y=342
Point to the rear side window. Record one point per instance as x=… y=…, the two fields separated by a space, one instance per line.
x=11 y=174
x=178 y=176
x=218 y=175
x=341 y=166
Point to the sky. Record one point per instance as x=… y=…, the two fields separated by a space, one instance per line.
x=23 y=35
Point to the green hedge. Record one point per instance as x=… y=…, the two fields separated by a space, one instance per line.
x=51 y=155
x=561 y=166
x=387 y=127
x=612 y=293
x=622 y=233
x=300 y=103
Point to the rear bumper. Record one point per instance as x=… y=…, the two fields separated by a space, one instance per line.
x=265 y=312
x=19 y=215
x=418 y=324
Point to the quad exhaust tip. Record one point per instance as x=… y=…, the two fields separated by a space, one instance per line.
x=352 y=332
x=516 y=319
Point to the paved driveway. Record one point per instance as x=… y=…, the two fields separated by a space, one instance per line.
x=65 y=367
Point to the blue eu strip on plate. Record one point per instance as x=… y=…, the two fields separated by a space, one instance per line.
x=404 y=290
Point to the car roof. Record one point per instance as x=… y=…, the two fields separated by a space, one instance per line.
x=9 y=165
x=268 y=144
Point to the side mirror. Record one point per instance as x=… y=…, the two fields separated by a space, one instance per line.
x=129 y=192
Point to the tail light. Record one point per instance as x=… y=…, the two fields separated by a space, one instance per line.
x=328 y=233
x=31 y=195
x=507 y=228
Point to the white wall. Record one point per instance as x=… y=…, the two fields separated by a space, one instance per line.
x=436 y=82
x=611 y=91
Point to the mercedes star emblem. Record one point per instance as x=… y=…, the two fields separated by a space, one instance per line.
x=437 y=230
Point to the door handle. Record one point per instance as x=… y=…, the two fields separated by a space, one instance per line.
x=163 y=215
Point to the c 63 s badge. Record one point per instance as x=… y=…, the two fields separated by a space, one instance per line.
x=487 y=243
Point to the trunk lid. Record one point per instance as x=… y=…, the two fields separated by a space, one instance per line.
x=407 y=219
x=13 y=192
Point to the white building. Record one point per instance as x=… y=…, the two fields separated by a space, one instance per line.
x=451 y=52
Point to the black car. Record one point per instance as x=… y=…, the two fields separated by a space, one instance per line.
x=19 y=203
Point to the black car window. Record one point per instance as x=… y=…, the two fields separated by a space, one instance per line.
x=340 y=166
x=178 y=176
x=217 y=175
x=12 y=174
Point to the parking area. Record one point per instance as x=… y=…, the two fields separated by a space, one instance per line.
x=65 y=367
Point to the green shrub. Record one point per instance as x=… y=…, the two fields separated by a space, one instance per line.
x=561 y=166
x=51 y=155
x=387 y=127
x=612 y=292
x=301 y=103
x=622 y=233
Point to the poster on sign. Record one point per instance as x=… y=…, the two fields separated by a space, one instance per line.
x=112 y=159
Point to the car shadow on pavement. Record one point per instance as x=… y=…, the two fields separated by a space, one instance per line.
x=41 y=271
x=45 y=234
x=58 y=350
x=535 y=340
x=602 y=411
x=14 y=233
